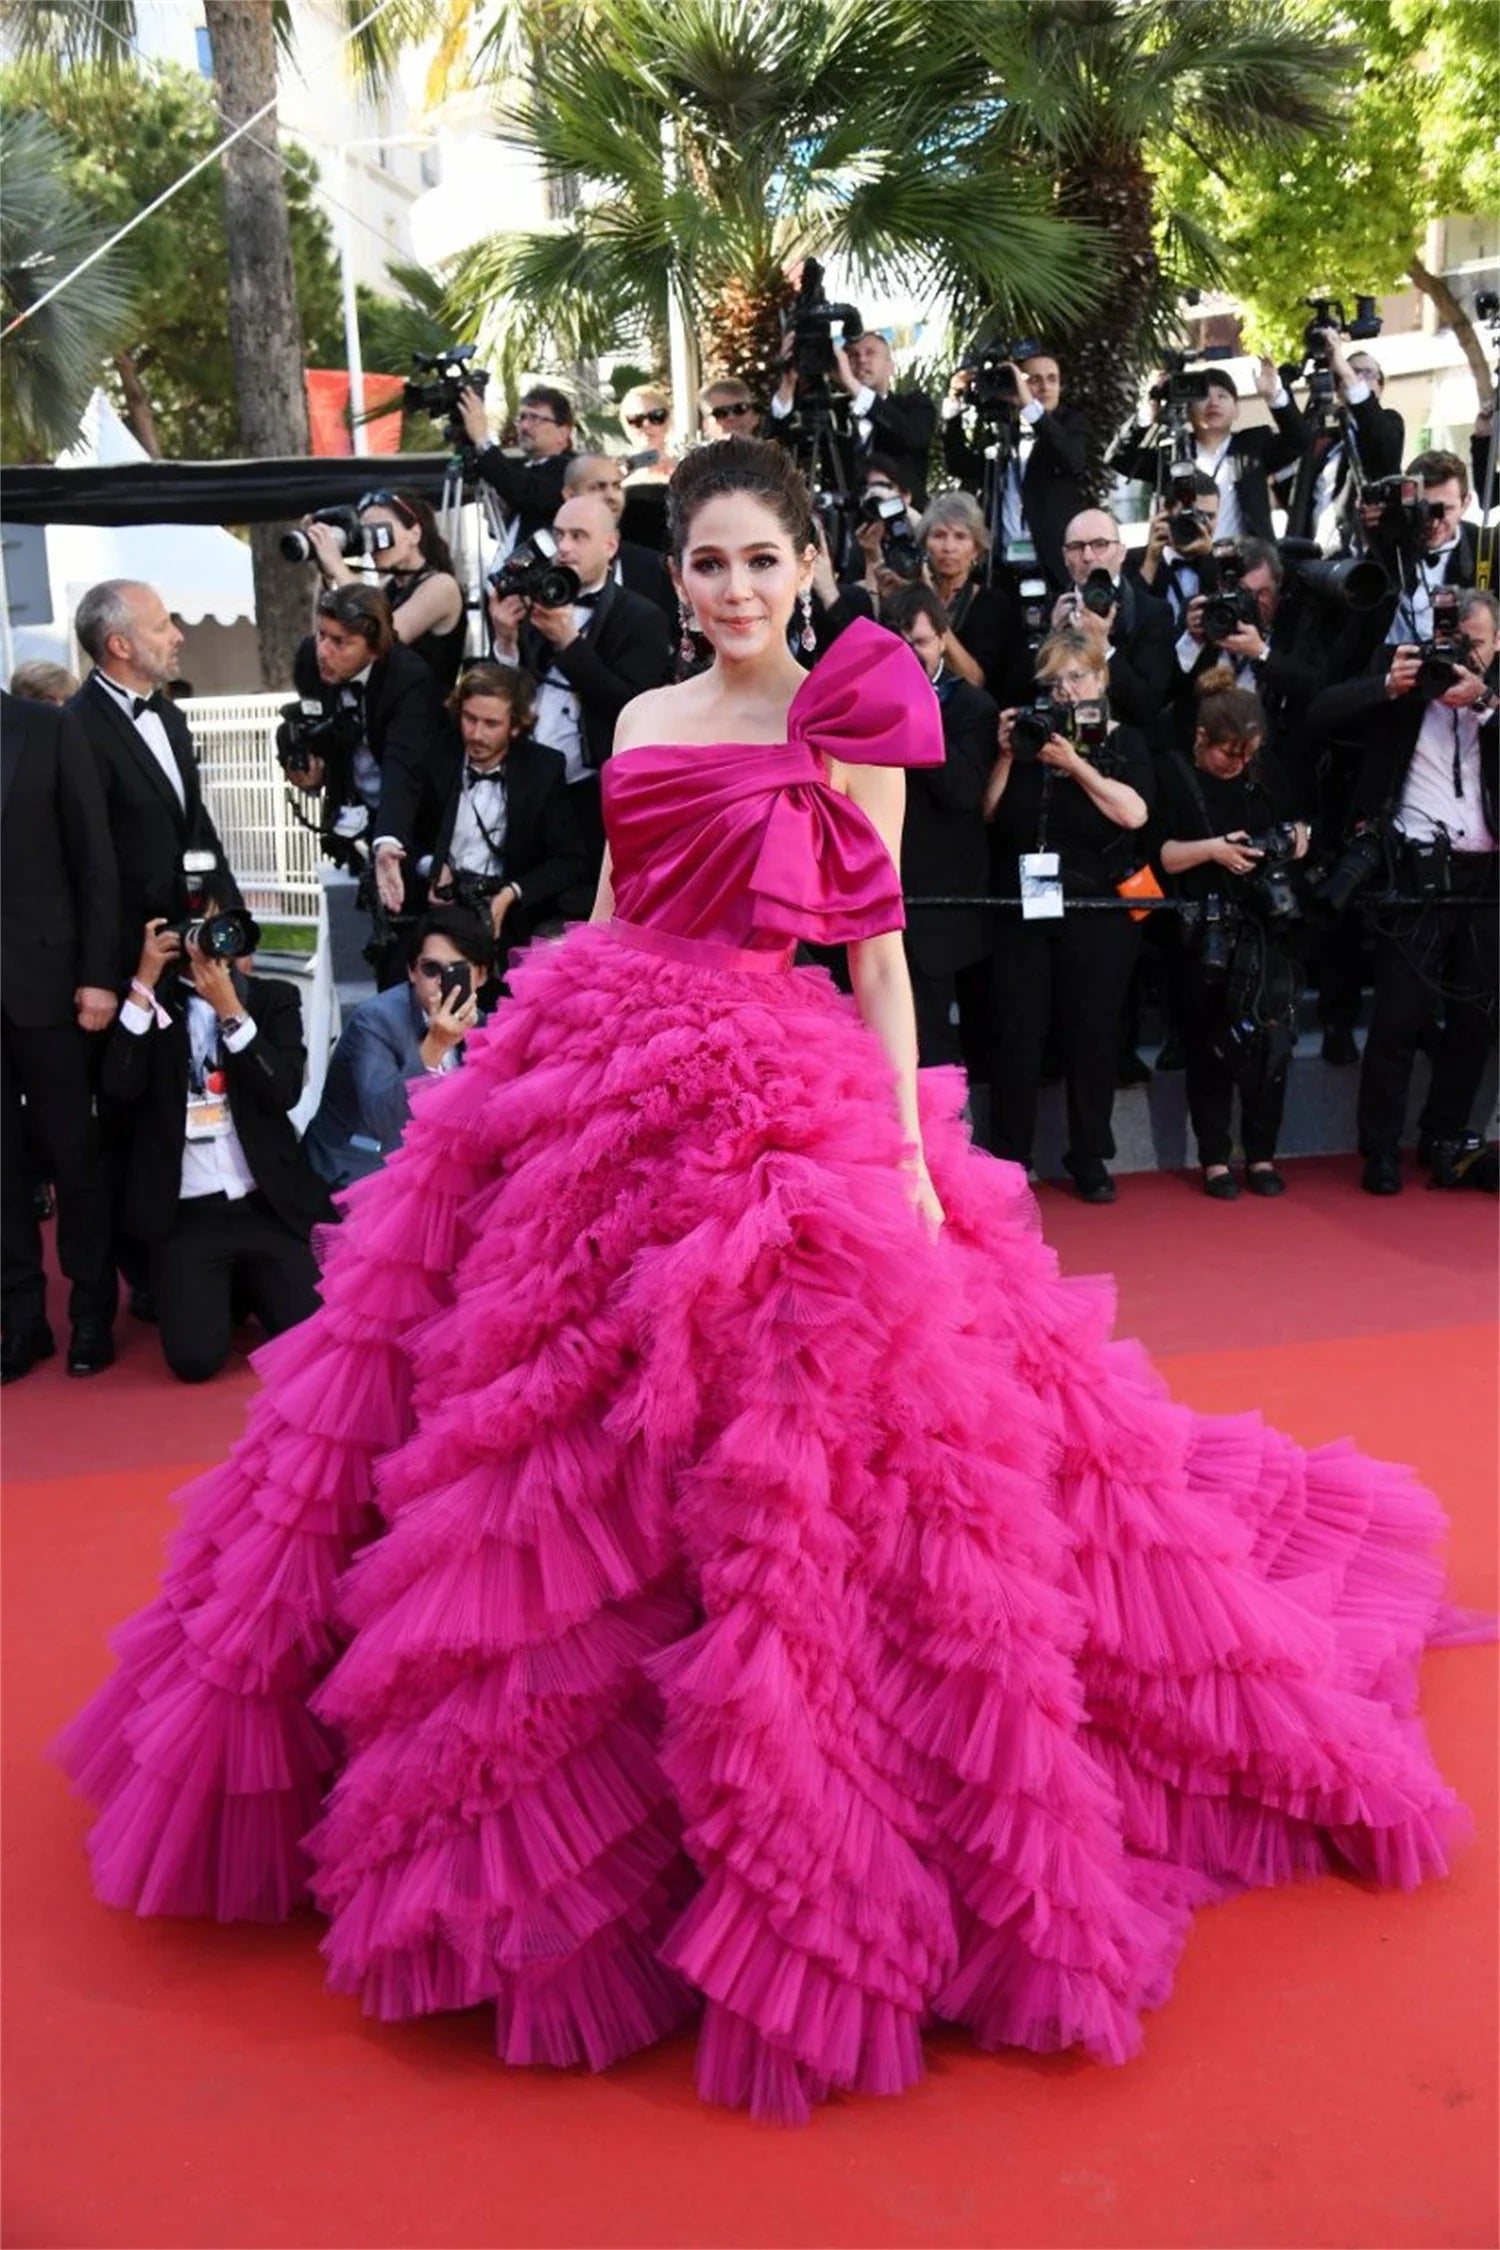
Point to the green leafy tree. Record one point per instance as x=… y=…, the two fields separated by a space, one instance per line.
x=1347 y=212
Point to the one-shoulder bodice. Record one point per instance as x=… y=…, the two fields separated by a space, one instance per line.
x=747 y=843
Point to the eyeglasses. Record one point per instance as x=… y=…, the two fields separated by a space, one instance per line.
x=730 y=413
x=533 y=414
x=655 y=415
x=602 y=484
x=1077 y=679
x=1090 y=546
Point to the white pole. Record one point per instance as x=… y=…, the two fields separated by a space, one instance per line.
x=682 y=344
x=352 y=353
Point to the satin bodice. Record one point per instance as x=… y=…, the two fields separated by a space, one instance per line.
x=749 y=844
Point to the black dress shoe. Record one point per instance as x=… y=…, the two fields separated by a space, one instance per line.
x=43 y=1203
x=142 y=1305
x=21 y=1351
x=91 y=1351
x=1222 y=1186
x=1096 y=1187
x=1382 y=1173
x=1132 y=1070
x=1173 y=1054
x=1264 y=1179
x=1338 y=1045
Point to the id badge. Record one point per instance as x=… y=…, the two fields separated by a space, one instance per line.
x=1041 y=887
x=208 y=1117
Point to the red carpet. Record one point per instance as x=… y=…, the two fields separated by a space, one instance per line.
x=1324 y=2074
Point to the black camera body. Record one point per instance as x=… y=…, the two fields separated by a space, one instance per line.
x=1098 y=594
x=1270 y=891
x=993 y=390
x=1186 y=386
x=224 y=936
x=533 y=572
x=435 y=382
x=1328 y=312
x=1371 y=853
x=1186 y=524
x=1035 y=598
x=810 y=326
x=472 y=892
x=1404 y=514
x=1444 y=650
x=899 y=551
x=1230 y=605
x=1085 y=725
x=308 y=731
x=355 y=540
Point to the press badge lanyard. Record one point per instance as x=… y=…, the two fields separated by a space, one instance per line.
x=1041 y=870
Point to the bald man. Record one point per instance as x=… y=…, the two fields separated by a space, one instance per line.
x=642 y=569
x=589 y=659
x=1133 y=629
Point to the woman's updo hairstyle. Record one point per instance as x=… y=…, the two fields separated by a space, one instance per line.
x=754 y=466
x=1228 y=712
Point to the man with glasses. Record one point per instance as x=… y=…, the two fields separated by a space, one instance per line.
x=528 y=484
x=726 y=409
x=1132 y=630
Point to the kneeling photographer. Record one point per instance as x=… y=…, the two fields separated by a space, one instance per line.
x=1425 y=741
x=415 y=1030
x=507 y=848
x=211 y=1060
x=1069 y=790
x=1230 y=835
x=371 y=739
x=399 y=532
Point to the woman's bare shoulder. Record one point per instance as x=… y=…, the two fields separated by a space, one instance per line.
x=655 y=716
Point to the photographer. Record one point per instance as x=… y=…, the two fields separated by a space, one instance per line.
x=642 y=569
x=1047 y=469
x=590 y=655
x=1424 y=740
x=898 y=424
x=943 y=842
x=380 y=748
x=506 y=848
x=1061 y=812
x=1379 y=434
x=1241 y=462
x=1224 y=821
x=1178 y=555
x=426 y=600
x=1424 y=546
x=416 y=1030
x=212 y=1062
x=1133 y=630
x=1253 y=623
x=528 y=487
x=982 y=643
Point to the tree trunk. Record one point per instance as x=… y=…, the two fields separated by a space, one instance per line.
x=139 y=414
x=1102 y=356
x=742 y=330
x=1452 y=314
x=265 y=327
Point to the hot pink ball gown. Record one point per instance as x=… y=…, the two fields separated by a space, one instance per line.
x=665 y=1581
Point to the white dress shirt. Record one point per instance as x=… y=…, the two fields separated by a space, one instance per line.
x=479 y=825
x=1440 y=793
x=1412 y=621
x=149 y=727
x=558 y=724
x=215 y=1166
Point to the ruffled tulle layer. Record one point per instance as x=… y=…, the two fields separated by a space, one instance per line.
x=776 y=1615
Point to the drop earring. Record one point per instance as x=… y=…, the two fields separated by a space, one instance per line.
x=809 y=638
x=689 y=625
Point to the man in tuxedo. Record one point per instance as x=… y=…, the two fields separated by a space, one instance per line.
x=527 y=484
x=1276 y=655
x=1241 y=462
x=899 y=424
x=642 y=569
x=507 y=829
x=1174 y=573
x=1047 y=472
x=1134 y=633
x=402 y=752
x=590 y=658
x=152 y=792
x=1327 y=477
x=1442 y=554
x=211 y=1063
x=415 y=1030
x=944 y=846
x=59 y=942
x=1426 y=762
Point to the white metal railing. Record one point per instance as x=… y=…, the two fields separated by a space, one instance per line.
x=274 y=860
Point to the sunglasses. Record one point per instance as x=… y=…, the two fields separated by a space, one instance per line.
x=655 y=415
x=431 y=969
x=731 y=413
x=391 y=500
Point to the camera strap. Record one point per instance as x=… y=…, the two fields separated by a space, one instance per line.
x=494 y=845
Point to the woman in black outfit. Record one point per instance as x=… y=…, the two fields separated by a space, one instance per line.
x=427 y=602
x=1206 y=813
x=1070 y=970
x=981 y=641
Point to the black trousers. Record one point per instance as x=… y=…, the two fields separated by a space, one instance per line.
x=1211 y=1086
x=1072 y=974
x=218 y=1256
x=1429 y=960
x=49 y=1067
x=934 y=993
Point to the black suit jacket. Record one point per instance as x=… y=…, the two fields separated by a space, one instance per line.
x=543 y=850
x=149 y=828
x=624 y=649
x=1254 y=457
x=148 y=1071
x=944 y=844
x=530 y=491
x=643 y=571
x=1361 y=645
x=1293 y=671
x=411 y=737
x=1357 y=723
x=1052 y=482
x=59 y=886
x=901 y=428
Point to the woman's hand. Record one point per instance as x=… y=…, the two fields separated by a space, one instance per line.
x=1232 y=852
x=824 y=584
x=325 y=546
x=1060 y=754
x=924 y=1196
x=161 y=946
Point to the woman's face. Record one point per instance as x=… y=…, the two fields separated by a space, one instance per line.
x=405 y=551
x=1078 y=683
x=741 y=576
x=952 y=550
x=1226 y=761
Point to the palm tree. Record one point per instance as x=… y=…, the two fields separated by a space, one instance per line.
x=717 y=142
x=1091 y=87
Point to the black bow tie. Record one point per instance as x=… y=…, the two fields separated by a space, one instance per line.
x=587 y=601
x=473 y=774
x=140 y=703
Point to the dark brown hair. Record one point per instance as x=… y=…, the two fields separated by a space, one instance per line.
x=362 y=609
x=506 y=682
x=901 y=608
x=1440 y=468
x=1228 y=712
x=410 y=508
x=754 y=466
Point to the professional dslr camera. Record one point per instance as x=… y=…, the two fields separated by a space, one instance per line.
x=1444 y=651
x=308 y=731
x=1085 y=725
x=353 y=539
x=1187 y=524
x=533 y=572
x=1404 y=513
x=434 y=385
x=1186 y=386
x=1231 y=605
x=218 y=937
x=809 y=324
x=899 y=552
x=1270 y=891
x=993 y=392
x=1328 y=312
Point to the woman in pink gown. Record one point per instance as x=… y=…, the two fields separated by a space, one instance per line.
x=702 y=1562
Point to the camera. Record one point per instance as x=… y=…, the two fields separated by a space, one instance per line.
x=307 y=731
x=1186 y=524
x=217 y=937
x=472 y=892
x=810 y=325
x=1371 y=853
x=435 y=382
x=1270 y=890
x=1404 y=514
x=1035 y=598
x=1231 y=605
x=1085 y=725
x=1444 y=651
x=352 y=538
x=1209 y=927
x=992 y=388
x=899 y=551
x=532 y=571
x=1186 y=386
x=1328 y=312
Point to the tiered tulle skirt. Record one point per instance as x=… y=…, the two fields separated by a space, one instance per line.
x=666 y=1583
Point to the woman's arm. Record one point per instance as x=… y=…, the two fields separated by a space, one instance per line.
x=432 y=607
x=879 y=977
x=958 y=659
x=1118 y=802
x=604 y=897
